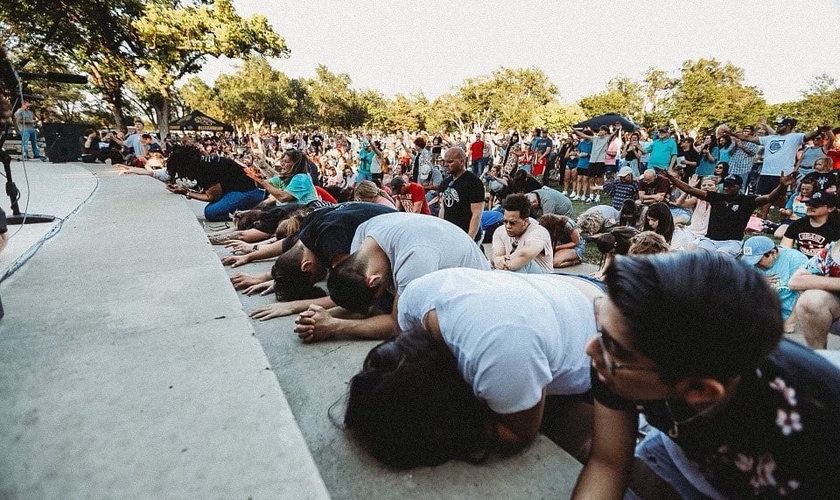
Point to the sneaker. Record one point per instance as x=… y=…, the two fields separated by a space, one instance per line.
x=573 y=196
x=588 y=199
x=598 y=198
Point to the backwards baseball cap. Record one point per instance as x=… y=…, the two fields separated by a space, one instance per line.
x=755 y=248
x=733 y=179
x=787 y=122
x=625 y=171
x=821 y=198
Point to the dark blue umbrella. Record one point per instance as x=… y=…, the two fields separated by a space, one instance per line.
x=608 y=119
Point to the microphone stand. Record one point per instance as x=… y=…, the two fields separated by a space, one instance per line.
x=14 y=193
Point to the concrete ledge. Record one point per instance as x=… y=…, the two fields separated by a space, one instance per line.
x=129 y=369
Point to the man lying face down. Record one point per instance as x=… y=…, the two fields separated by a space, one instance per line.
x=471 y=368
x=387 y=253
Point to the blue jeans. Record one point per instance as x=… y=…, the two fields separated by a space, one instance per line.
x=477 y=166
x=363 y=175
x=31 y=137
x=221 y=209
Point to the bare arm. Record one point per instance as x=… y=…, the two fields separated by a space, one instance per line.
x=516 y=430
x=475 y=219
x=317 y=323
x=278 y=309
x=675 y=180
x=613 y=439
x=520 y=257
x=803 y=280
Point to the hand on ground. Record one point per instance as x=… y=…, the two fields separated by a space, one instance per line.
x=234 y=260
x=275 y=310
x=314 y=324
x=244 y=280
x=265 y=288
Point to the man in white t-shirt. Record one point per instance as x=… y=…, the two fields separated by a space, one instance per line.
x=387 y=253
x=512 y=354
x=524 y=246
x=779 y=154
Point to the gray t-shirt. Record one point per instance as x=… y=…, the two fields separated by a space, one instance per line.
x=599 y=148
x=553 y=201
x=507 y=350
x=419 y=244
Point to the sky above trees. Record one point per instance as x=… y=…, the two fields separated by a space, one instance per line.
x=432 y=46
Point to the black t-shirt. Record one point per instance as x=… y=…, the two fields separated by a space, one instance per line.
x=778 y=436
x=224 y=171
x=728 y=216
x=809 y=239
x=824 y=181
x=456 y=195
x=690 y=155
x=329 y=231
x=437 y=145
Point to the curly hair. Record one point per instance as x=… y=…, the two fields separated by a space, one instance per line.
x=184 y=162
x=648 y=242
x=591 y=222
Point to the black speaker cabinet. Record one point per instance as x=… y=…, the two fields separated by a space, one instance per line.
x=64 y=140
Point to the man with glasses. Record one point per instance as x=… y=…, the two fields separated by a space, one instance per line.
x=524 y=246
x=738 y=411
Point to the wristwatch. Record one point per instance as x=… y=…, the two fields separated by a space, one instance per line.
x=187 y=194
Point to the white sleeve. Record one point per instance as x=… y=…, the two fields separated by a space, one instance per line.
x=511 y=374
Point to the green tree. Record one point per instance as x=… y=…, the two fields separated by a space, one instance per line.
x=710 y=93
x=336 y=105
x=623 y=96
x=820 y=103
x=178 y=39
x=506 y=98
x=93 y=36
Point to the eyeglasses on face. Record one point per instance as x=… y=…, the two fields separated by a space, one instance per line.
x=610 y=347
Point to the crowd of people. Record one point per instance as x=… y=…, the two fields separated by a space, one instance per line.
x=683 y=323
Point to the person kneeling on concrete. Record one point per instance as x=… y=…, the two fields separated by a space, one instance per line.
x=738 y=411
x=387 y=253
x=469 y=373
x=225 y=186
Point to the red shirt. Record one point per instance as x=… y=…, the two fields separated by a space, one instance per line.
x=414 y=194
x=477 y=150
x=834 y=154
x=324 y=194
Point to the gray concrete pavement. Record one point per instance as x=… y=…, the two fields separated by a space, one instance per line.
x=128 y=367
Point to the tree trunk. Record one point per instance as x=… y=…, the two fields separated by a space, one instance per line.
x=162 y=107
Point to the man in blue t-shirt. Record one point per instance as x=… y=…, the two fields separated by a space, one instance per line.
x=778 y=265
x=663 y=151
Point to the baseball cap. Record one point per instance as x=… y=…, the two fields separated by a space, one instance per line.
x=787 y=121
x=625 y=171
x=822 y=198
x=733 y=179
x=155 y=147
x=755 y=248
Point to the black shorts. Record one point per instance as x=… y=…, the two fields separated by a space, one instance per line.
x=596 y=169
x=766 y=184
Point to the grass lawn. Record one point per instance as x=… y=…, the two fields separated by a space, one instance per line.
x=591 y=255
